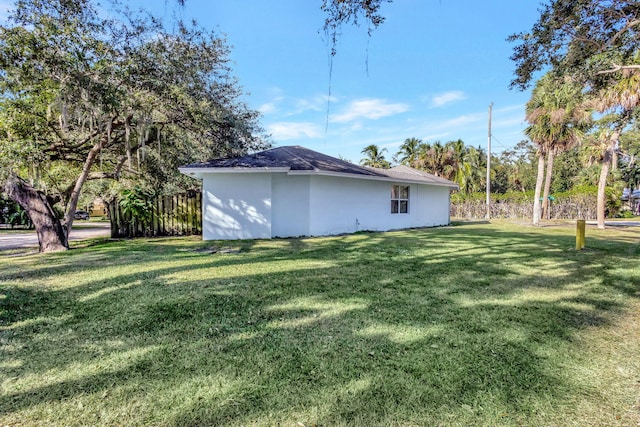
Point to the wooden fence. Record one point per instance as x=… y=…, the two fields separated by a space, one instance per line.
x=177 y=215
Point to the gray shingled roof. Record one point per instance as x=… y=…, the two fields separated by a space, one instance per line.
x=296 y=158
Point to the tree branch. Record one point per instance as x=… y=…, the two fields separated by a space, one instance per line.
x=617 y=68
x=623 y=30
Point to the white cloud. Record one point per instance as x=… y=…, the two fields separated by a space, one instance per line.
x=268 y=108
x=447 y=98
x=357 y=126
x=287 y=106
x=372 y=109
x=456 y=122
x=316 y=103
x=271 y=106
x=435 y=136
x=512 y=115
x=511 y=108
x=293 y=130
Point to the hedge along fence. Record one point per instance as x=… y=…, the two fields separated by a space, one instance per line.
x=177 y=215
x=579 y=204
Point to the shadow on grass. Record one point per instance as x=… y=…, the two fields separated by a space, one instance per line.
x=436 y=326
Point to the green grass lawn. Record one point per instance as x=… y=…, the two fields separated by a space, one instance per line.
x=474 y=324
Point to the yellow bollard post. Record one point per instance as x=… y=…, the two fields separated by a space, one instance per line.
x=580 y=234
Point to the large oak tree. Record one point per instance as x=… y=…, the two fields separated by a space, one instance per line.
x=87 y=95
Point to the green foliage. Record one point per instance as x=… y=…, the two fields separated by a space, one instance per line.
x=512 y=171
x=593 y=45
x=12 y=213
x=625 y=213
x=460 y=197
x=613 y=202
x=374 y=157
x=520 y=166
x=20 y=218
x=341 y=12
x=408 y=152
x=138 y=204
x=452 y=160
x=567 y=166
x=586 y=39
x=557 y=114
x=89 y=94
x=628 y=163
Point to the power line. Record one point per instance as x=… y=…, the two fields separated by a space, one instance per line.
x=524 y=150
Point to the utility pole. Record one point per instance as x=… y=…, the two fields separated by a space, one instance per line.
x=488 y=215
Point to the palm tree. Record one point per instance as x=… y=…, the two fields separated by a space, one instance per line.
x=457 y=149
x=476 y=159
x=534 y=133
x=624 y=96
x=462 y=168
x=437 y=159
x=558 y=119
x=422 y=156
x=374 y=157
x=409 y=151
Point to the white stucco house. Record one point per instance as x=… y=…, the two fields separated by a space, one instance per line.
x=294 y=191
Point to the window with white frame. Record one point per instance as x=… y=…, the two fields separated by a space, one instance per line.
x=399 y=199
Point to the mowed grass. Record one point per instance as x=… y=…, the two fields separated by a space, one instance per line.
x=474 y=324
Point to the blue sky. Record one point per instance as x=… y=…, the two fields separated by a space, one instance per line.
x=430 y=71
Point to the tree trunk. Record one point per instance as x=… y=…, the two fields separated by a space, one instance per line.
x=602 y=185
x=547 y=185
x=536 y=195
x=604 y=174
x=77 y=188
x=51 y=234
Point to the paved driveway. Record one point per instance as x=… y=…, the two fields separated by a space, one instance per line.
x=616 y=223
x=85 y=230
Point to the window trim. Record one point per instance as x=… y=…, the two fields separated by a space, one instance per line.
x=397 y=202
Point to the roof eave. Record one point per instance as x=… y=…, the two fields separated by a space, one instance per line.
x=198 y=172
x=372 y=177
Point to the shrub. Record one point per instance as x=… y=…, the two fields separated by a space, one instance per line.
x=138 y=204
x=12 y=213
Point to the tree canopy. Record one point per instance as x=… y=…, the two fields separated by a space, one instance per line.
x=87 y=95
x=341 y=12
x=593 y=41
x=374 y=157
x=595 y=45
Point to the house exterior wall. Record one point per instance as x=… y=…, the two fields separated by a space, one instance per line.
x=341 y=205
x=236 y=206
x=290 y=209
x=265 y=205
x=432 y=205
